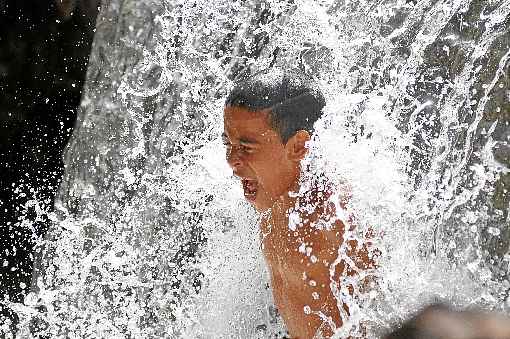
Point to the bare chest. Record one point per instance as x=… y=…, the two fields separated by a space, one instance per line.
x=288 y=280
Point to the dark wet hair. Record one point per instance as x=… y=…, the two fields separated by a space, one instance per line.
x=293 y=99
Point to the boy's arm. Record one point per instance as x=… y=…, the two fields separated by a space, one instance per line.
x=323 y=268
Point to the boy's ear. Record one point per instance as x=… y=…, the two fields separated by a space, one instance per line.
x=296 y=145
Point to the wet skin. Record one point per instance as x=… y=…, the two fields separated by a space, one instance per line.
x=269 y=170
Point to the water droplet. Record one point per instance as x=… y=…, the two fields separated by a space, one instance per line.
x=494 y=231
x=302 y=248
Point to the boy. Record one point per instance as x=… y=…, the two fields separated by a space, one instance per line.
x=268 y=120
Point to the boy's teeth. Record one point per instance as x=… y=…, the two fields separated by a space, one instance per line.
x=250 y=186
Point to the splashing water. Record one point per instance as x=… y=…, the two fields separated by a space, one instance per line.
x=150 y=236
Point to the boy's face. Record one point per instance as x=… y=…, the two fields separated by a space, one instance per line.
x=257 y=156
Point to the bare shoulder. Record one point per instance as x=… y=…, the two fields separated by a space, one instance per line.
x=324 y=227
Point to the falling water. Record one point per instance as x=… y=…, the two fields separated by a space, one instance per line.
x=150 y=236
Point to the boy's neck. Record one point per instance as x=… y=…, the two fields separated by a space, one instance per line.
x=317 y=194
x=275 y=218
x=278 y=213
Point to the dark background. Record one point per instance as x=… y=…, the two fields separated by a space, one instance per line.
x=44 y=50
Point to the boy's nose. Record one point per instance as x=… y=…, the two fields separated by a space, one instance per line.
x=234 y=160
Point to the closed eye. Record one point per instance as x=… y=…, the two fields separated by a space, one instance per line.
x=244 y=146
x=246 y=149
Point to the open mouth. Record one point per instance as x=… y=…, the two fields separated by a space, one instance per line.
x=250 y=188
